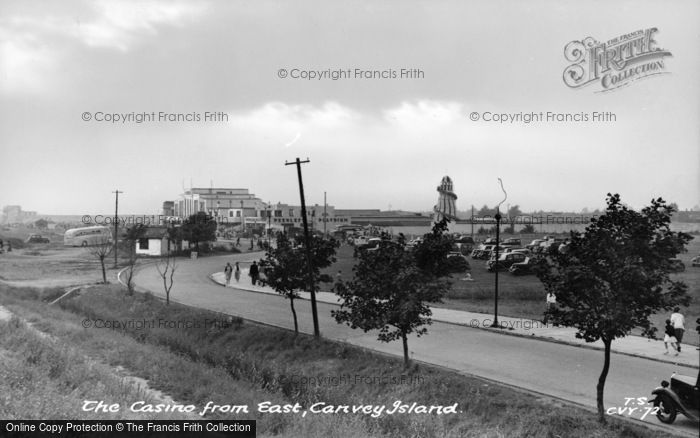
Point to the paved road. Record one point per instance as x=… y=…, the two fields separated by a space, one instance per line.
x=562 y=371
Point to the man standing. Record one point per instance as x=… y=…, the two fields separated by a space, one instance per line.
x=254 y=273
x=678 y=322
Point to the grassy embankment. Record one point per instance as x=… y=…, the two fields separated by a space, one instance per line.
x=232 y=362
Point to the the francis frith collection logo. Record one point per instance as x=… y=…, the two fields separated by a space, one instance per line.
x=615 y=63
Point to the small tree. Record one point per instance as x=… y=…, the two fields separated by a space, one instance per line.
x=166 y=266
x=133 y=234
x=101 y=250
x=615 y=275
x=286 y=268
x=199 y=227
x=392 y=287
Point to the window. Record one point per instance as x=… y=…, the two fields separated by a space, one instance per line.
x=278 y=213
x=143 y=243
x=291 y=212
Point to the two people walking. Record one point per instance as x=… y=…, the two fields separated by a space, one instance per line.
x=231 y=270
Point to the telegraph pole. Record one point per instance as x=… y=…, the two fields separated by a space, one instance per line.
x=307 y=240
x=324 y=215
x=116 y=224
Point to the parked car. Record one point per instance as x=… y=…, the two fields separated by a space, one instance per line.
x=681 y=395
x=505 y=261
x=512 y=242
x=37 y=238
x=534 y=244
x=371 y=245
x=523 y=268
x=490 y=241
x=464 y=239
x=695 y=262
x=484 y=252
x=457 y=262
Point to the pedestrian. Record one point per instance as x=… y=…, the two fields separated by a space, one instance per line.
x=237 y=272
x=678 y=322
x=238 y=241
x=551 y=302
x=254 y=273
x=228 y=270
x=670 y=337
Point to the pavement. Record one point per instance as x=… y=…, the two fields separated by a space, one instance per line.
x=630 y=345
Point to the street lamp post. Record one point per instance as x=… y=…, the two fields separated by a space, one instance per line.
x=498 y=243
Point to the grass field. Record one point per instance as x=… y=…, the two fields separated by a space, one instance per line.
x=245 y=364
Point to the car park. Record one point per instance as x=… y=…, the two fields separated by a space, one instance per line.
x=505 y=261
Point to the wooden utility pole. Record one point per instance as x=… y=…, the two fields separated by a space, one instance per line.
x=116 y=224
x=307 y=240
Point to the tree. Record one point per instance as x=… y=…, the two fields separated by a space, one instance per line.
x=41 y=224
x=199 y=227
x=615 y=275
x=166 y=266
x=133 y=234
x=392 y=287
x=286 y=268
x=101 y=250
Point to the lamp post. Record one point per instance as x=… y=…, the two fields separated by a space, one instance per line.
x=498 y=243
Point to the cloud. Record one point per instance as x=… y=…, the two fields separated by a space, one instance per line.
x=34 y=45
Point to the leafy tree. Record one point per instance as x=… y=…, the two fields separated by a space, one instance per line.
x=41 y=224
x=615 y=275
x=528 y=229
x=285 y=266
x=392 y=287
x=199 y=227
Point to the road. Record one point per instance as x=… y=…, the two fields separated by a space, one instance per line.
x=562 y=371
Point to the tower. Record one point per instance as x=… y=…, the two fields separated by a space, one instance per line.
x=445 y=207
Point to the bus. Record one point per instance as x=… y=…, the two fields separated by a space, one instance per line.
x=87 y=236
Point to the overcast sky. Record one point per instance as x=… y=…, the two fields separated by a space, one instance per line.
x=373 y=143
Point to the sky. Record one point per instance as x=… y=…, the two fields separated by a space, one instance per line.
x=67 y=67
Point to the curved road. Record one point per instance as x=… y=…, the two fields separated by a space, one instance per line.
x=562 y=371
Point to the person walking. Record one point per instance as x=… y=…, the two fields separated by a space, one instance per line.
x=670 y=337
x=551 y=302
x=228 y=270
x=678 y=322
x=254 y=273
x=237 y=272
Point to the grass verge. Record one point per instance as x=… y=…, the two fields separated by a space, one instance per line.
x=197 y=356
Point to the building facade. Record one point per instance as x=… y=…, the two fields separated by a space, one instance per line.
x=239 y=206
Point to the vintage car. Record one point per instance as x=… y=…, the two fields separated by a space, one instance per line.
x=512 y=242
x=681 y=395
x=37 y=238
x=523 y=268
x=505 y=261
x=457 y=262
x=695 y=262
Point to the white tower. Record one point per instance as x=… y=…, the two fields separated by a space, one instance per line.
x=445 y=207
